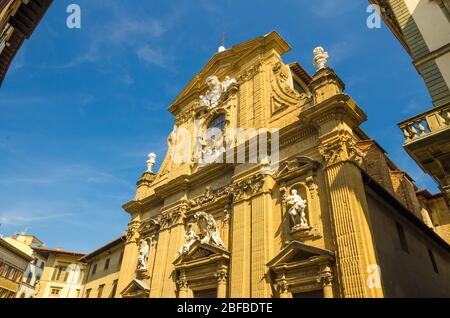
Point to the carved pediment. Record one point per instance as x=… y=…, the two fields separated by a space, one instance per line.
x=202 y=252
x=150 y=226
x=297 y=252
x=225 y=60
x=136 y=289
x=296 y=166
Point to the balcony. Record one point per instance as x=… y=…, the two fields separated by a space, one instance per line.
x=427 y=140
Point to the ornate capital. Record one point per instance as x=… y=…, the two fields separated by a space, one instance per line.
x=222 y=276
x=131 y=232
x=325 y=276
x=248 y=187
x=175 y=216
x=283 y=287
x=182 y=283
x=342 y=149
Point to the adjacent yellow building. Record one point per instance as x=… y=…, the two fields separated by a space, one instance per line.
x=270 y=188
x=33 y=272
x=13 y=264
x=102 y=270
x=63 y=274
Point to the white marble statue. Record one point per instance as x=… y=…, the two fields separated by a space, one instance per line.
x=297 y=207
x=151 y=162
x=144 y=249
x=208 y=229
x=190 y=237
x=216 y=90
x=212 y=149
x=320 y=58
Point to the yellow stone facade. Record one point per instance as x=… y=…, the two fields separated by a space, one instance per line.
x=225 y=229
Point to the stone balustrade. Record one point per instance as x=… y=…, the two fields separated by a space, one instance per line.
x=426 y=123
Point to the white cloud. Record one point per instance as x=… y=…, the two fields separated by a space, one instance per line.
x=21 y=218
x=152 y=56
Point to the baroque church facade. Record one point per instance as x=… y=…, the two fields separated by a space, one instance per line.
x=308 y=206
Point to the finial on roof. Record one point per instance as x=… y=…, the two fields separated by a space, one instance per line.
x=222 y=47
x=151 y=162
x=320 y=58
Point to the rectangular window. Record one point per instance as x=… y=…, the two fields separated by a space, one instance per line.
x=29 y=277
x=94 y=269
x=55 y=292
x=402 y=238
x=60 y=274
x=88 y=293
x=114 y=289
x=120 y=258
x=433 y=261
x=106 y=264
x=100 y=291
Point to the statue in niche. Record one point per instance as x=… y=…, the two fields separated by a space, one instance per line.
x=296 y=209
x=320 y=58
x=190 y=237
x=144 y=249
x=216 y=90
x=209 y=231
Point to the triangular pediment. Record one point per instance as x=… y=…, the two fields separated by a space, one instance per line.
x=199 y=251
x=297 y=164
x=137 y=288
x=226 y=60
x=297 y=252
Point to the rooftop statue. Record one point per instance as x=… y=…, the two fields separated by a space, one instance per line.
x=320 y=58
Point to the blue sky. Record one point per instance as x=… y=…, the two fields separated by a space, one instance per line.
x=81 y=109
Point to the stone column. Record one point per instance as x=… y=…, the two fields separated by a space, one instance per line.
x=182 y=286
x=240 y=249
x=252 y=229
x=350 y=219
x=283 y=288
x=326 y=279
x=222 y=282
x=129 y=261
x=336 y=117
